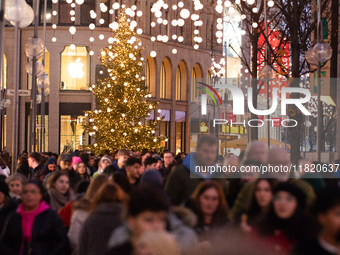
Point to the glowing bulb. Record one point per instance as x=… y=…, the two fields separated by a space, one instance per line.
x=92 y=26
x=180 y=4
x=174 y=51
x=72 y=47
x=180 y=38
x=91 y=39
x=174 y=7
x=101 y=37
x=153 y=38
x=139 y=31
x=101 y=21
x=54 y=39
x=153 y=54
x=174 y=37
x=72 y=30
x=185 y=13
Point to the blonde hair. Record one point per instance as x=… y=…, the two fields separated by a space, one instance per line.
x=158 y=242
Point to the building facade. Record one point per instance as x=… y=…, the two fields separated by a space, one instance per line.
x=168 y=75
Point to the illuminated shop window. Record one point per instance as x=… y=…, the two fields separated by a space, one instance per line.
x=72 y=134
x=75 y=69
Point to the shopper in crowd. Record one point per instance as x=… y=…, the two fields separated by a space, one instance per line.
x=15 y=183
x=107 y=213
x=261 y=198
x=277 y=157
x=239 y=180
x=147 y=211
x=82 y=170
x=34 y=228
x=150 y=163
x=66 y=165
x=59 y=190
x=209 y=204
x=75 y=161
x=132 y=170
x=103 y=163
x=37 y=171
x=66 y=211
x=145 y=154
x=23 y=167
x=257 y=150
x=306 y=172
x=182 y=182
x=119 y=163
x=327 y=212
x=159 y=165
x=85 y=157
x=51 y=165
x=82 y=207
x=156 y=242
x=7 y=205
x=286 y=223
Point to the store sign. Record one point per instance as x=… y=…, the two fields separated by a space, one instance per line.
x=21 y=92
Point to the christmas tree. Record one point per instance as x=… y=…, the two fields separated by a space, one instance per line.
x=119 y=121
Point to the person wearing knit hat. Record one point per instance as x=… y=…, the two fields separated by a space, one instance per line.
x=51 y=165
x=75 y=161
x=286 y=222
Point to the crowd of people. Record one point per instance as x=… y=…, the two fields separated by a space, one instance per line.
x=145 y=203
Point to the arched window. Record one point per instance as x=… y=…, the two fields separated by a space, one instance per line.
x=181 y=82
x=196 y=73
x=165 y=80
x=150 y=76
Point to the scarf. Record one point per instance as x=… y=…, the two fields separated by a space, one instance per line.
x=27 y=219
x=58 y=200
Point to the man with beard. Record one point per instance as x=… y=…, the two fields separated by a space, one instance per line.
x=327 y=210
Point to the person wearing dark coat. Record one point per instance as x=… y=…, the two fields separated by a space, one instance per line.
x=23 y=167
x=106 y=215
x=34 y=228
x=37 y=171
x=7 y=205
x=66 y=165
x=326 y=209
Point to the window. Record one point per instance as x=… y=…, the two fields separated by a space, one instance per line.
x=72 y=134
x=85 y=8
x=48 y=12
x=193 y=85
x=196 y=74
x=165 y=80
x=165 y=127
x=38 y=130
x=64 y=13
x=181 y=82
x=150 y=79
x=147 y=75
x=178 y=83
x=180 y=131
x=75 y=69
x=5 y=72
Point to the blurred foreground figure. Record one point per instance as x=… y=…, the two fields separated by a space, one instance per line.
x=327 y=210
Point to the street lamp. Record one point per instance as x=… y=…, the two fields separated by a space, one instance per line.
x=321 y=52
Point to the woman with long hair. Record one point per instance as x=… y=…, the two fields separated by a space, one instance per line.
x=34 y=228
x=209 y=204
x=81 y=208
x=259 y=203
x=59 y=190
x=107 y=213
x=82 y=170
x=286 y=223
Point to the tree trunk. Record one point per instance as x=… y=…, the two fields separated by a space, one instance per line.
x=254 y=44
x=293 y=111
